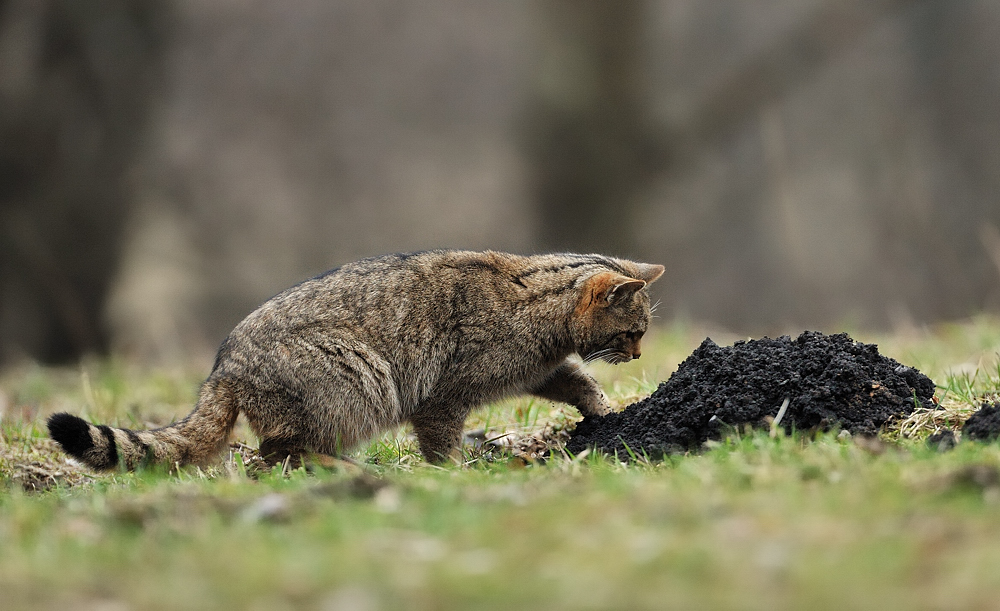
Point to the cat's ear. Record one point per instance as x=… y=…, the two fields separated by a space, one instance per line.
x=649 y=272
x=608 y=287
x=624 y=288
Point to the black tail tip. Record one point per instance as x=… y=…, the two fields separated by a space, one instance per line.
x=72 y=433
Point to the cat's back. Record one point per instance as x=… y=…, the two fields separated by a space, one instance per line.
x=437 y=282
x=387 y=288
x=380 y=284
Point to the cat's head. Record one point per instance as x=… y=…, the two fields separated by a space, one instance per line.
x=613 y=313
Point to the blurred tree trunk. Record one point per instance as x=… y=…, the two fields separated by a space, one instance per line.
x=76 y=82
x=958 y=48
x=589 y=155
x=774 y=71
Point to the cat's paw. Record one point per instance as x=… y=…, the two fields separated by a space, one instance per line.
x=599 y=406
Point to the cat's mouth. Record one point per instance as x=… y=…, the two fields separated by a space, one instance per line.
x=608 y=355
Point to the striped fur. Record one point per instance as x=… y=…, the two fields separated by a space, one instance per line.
x=421 y=338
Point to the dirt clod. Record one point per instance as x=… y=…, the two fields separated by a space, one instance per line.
x=984 y=425
x=829 y=381
x=942 y=441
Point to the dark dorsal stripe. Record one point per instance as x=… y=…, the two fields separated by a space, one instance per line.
x=577 y=261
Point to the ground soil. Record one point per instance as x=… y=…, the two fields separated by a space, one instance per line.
x=984 y=425
x=829 y=381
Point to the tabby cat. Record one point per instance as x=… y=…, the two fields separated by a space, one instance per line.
x=421 y=338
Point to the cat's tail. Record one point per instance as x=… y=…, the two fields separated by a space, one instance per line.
x=196 y=439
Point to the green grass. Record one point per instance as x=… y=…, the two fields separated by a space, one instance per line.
x=754 y=522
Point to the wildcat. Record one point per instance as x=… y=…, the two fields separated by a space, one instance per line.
x=421 y=338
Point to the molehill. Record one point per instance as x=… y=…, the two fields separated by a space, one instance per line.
x=829 y=381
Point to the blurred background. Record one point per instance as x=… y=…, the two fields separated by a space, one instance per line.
x=166 y=166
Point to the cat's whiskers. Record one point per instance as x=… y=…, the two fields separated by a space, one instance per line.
x=608 y=355
x=600 y=354
x=616 y=357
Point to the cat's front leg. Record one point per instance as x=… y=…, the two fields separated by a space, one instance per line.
x=439 y=434
x=570 y=384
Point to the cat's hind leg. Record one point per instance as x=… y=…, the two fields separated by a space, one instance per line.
x=275 y=450
x=276 y=416
x=570 y=384
x=340 y=394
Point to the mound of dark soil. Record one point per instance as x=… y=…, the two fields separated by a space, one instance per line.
x=984 y=425
x=829 y=380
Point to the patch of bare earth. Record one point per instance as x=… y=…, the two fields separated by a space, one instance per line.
x=36 y=464
x=520 y=444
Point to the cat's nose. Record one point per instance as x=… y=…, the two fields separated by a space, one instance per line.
x=636 y=354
